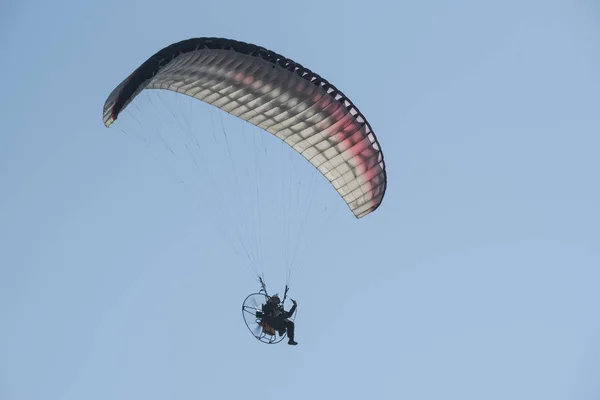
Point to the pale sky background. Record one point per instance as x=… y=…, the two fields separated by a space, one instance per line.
x=478 y=278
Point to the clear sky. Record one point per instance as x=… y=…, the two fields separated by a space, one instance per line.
x=478 y=278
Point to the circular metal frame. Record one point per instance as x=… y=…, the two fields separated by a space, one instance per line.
x=251 y=309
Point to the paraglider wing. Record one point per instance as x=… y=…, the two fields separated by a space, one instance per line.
x=278 y=95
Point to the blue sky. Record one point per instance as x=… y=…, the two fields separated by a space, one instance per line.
x=476 y=279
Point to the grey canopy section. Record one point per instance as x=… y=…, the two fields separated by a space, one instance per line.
x=278 y=95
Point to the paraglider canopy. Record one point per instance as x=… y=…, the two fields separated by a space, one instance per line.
x=278 y=95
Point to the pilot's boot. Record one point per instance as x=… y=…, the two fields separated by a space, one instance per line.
x=290 y=332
